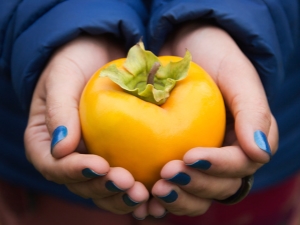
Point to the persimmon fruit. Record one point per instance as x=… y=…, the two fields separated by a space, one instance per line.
x=140 y=124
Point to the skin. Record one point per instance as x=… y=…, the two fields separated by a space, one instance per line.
x=56 y=99
x=54 y=103
x=214 y=50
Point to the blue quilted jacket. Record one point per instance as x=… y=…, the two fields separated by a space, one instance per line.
x=267 y=31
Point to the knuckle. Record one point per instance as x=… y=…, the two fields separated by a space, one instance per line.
x=53 y=110
x=264 y=116
x=256 y=108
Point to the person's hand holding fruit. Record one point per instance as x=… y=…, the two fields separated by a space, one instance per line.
x=251 y=136
x=53 y=135
x=183 y=189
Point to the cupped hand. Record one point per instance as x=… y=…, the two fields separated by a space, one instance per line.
x=53 y=135
x=189 y=186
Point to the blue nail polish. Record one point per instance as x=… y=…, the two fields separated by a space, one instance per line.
x=200 y=164
x=128 y=201
x=262 y=142
x=58 y=134
x=169 y=198
x=88 y=173
x=180 y=178
x=112 y=187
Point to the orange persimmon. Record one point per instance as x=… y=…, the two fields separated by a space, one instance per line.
x=150 y=123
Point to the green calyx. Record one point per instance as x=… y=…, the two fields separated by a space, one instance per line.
x=143 y=75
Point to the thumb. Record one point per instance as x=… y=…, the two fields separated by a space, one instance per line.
x=221 y=57
x=255 y=127
x=68 y=72
x=63 y=85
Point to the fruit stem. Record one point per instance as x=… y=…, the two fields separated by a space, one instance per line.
x=151 y=75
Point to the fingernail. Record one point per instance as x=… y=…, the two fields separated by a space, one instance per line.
x=137 y=218
x=88 y=173
x=112 y=187
x=200 y=164
x=180 y=178
x=169 y=198
x=58 y=134
x=128 y=201
x=262 y=142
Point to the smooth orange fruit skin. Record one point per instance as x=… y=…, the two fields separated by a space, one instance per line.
x=142 y=137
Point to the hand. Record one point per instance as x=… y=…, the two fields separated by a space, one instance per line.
x=215 y=173
x=53 y=135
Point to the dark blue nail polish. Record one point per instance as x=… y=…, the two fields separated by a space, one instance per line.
x=58 y=134
x=169 y=198
x=200 y=164
x=112 y=187
x=128 y=201
x=88 y=173
x=262 y=142
x=180 y=178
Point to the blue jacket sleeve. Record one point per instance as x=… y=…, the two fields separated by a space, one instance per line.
x=265 y=30
x=33 y=29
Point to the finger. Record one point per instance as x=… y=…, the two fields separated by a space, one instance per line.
x=66 y=77
x=141 y=212
x=62 y=112
x=117 y=180
x=245 y=97
x=177 y=201
x=123 y=203
x=239 y=83
x=74 y=168
x=62 y=100
x=199 y=184
x=156 y=209
x=228 y=161
x=255 y=127
x=231 y=160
